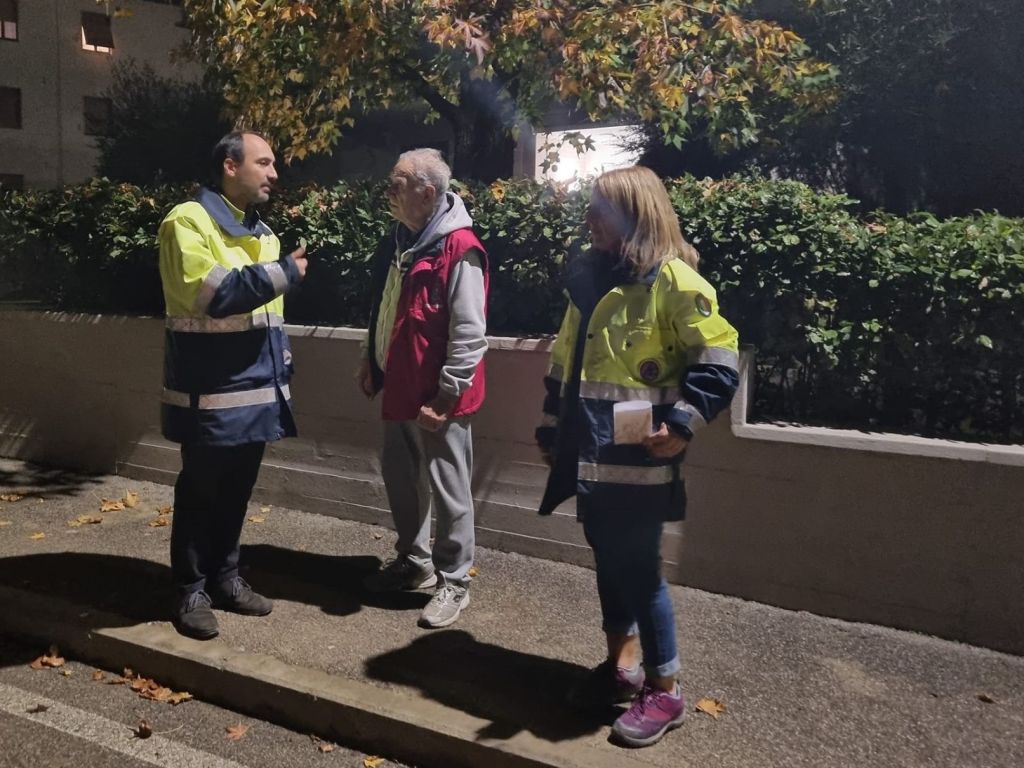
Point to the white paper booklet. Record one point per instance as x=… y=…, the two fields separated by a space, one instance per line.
x=633 y=421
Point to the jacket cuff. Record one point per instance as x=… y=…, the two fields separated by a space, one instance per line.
x=291 y=270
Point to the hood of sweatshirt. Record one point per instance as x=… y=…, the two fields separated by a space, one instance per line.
x=450 y=216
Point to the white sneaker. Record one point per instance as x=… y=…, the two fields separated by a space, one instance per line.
x=444 y=607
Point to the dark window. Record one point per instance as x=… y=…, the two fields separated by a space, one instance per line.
x=96 y=32
x=12 y=181
x=10 y=107
x=96 y=114
x=8 y=19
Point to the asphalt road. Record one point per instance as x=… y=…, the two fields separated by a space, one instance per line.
x=64 y=718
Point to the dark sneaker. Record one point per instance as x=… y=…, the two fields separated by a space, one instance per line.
x=238 y=597
x=193 y=617
x=608 y=684
x=444 y=607
x=401 y=574
x=654 y=713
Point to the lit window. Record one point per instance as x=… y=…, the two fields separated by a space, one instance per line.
x=8 y=19
x=96 y=33
x=10 y=107
x=12 y=181
x=96 y=116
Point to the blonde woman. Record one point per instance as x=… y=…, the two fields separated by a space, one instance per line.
x=642 y=362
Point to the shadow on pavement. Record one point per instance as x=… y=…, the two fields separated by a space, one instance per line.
x=516 y=691
x=331 y=582
x=38 y=480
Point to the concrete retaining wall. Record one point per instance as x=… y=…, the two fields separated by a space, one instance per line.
x=912 y=533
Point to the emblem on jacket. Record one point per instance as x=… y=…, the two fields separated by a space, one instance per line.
x=703 y=304
x=650 y=370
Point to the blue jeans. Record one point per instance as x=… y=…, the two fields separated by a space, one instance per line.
x=634 y=595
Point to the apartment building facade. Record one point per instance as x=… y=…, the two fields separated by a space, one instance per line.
x=56 y=59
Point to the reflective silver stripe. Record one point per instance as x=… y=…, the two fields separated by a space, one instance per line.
x=557 y=372
x=171 y=397
x=547 y=420
x=287 y=356
x=209 y=287
x=713 y=356
x=230 y=324
x=616 y=473
x=599 y=390
x=697 y=421
x=240 y=399
x=277 y=276
x=226 y=399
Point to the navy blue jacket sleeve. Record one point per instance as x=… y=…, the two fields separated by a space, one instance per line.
x=243 y=290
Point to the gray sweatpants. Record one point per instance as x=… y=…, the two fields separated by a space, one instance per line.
x=417 y=465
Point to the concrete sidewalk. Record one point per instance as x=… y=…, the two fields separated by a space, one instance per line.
x=800 y=690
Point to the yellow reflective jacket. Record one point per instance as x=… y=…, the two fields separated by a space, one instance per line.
x=659 y=339
x=227 y=361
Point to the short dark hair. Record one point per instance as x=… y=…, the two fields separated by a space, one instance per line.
x=231 y=146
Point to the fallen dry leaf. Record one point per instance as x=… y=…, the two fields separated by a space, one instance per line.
x=257 y=519
x=131 y=499
x=180 y=697
x=378 y=535
x=165 y=510
x=984 y=697
x=265 y=508
x=372 y=762
x=12 y=497
x=473 y=571
x=325 y=746
x=81 y=520
x=143 y=731
x=159 y=522
x=37 y=536
x=37 y=709
x=98 y=676
x=236 y=732
x=4 y=523
x=50 y=660
x=712 y=707
x=106 y=505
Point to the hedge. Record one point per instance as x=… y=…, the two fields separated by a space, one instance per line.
x=893 y=324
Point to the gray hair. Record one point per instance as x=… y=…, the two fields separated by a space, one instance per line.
x=428 y=167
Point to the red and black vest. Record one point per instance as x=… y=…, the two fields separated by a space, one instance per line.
x=419 y=338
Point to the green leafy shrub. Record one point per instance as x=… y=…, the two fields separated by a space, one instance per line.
x=895 y=324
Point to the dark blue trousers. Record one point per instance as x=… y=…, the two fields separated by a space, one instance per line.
x=210 y=500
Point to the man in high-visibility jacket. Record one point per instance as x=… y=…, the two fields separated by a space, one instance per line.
x=227 y=365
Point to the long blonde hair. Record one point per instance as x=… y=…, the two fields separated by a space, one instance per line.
x=637 y=199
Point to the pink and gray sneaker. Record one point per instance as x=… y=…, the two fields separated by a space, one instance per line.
x=653 y=714
x=608 y=684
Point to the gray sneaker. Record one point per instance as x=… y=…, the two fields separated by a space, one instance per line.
x=400 y=574
x=444 y=607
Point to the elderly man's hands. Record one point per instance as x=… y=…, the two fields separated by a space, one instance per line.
x=364 y=378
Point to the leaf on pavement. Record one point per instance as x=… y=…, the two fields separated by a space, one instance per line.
x=179 y=697
x=159 y=522
x=106 y=505
x=473 y=571
x=985 y=698
x=50 y=660
x=37 y=536
x=81 y=520
x=236 y=732
x=165 y=510
x=265 y=509
x=67 y=672
x=257 y=519
x=131 y=499
x=37 y=709
x=712 y=707
x=372 y=762
x=143 y=730
x=4 y=523
x=98 y=676
x=11 y=497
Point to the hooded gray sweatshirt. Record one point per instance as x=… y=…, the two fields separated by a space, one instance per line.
x=467 y=325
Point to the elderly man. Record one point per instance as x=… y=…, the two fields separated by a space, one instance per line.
x=425 y=353
x=226 y=372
